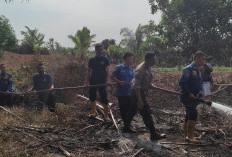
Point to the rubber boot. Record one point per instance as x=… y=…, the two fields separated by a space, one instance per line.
x=106 y=112
x=93 y=109
x=191 y=129
x=185 y=129
x=155 y=136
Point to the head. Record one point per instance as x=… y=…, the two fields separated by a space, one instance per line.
x=3 y=68
x=99 y=48
x=150 y=59
x=128 y=58
x=40 y=68
x=199 y=58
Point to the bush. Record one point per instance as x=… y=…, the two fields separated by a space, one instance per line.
x=43 y=51
x=26 y=48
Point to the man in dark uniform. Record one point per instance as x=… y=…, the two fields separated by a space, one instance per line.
x=44 y=81
x=143 y=80
x=6 y=85
x=98 y=73
x=191 y=86
x=124 y=76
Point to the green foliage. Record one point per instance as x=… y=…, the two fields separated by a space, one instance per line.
x=33 y=39
x=8 y=39
x=82 y=40
x=107 y=43
x=115 y=52
x=192 y=25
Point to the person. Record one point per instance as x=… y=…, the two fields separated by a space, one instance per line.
x=123 y=75
x=191 y=87
x=44 y=81
x=207 y=79
x=6 y=85
x=98 y=73
x=143 y=80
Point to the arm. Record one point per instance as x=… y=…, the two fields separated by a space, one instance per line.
x=183 y=82
x=108 y=75
x=10 y=86
x=137 y=86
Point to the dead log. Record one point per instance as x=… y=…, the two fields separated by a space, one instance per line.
x=12 y=114
x=114 y=121
x=137 y=153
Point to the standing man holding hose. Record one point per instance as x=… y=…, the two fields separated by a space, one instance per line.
x=191 y=86
x=98 y=73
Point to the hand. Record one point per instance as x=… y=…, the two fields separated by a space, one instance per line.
x=86 y=84
x=201 y=94
x=192 y=96
x=132 y=82
x=108 y=82
x=140 y=104
x=122 y=83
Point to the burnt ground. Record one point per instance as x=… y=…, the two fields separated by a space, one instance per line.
x=70 y=132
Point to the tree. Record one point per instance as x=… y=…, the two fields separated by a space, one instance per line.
x=8 y=39
x=82 y=40
x=107 y=43
x=132 y=40
x=32 y=38
x=197 y=25
x=115 y=52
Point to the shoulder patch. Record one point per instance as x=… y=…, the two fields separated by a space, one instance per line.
x=194 y=72
x=187 y=74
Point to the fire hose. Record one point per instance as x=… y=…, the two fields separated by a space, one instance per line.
x=198 y=98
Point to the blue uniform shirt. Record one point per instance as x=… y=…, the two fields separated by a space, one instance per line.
x=98 y=69
x=190 y=81
x=6 y=82
x=42 y=82
x=123 y=73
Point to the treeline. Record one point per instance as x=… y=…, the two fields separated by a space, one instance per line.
x=185 y=27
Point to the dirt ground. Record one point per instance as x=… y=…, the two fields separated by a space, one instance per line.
x=70 y=131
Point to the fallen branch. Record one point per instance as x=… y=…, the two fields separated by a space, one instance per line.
x=114 y=121
x=12 y=114
x=137 y=153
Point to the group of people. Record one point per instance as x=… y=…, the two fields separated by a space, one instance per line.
x=41 y=81
x=132 y=89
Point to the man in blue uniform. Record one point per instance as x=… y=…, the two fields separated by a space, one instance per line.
x=6 y=84
x=191 y=86
x=44 y=81
x=98 y=73
x=124 y=76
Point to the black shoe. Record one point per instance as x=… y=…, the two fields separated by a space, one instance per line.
x=155 y=136
x=128 y=130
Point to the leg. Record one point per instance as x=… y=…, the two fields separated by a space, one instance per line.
x=41 y=102
x=133 y=107
x=192 y=110
x=51 y=103
x=2 y=101
x=9 y=101
x=148 y=120
x=92 y=98
x=123 y=107
x=103 y=96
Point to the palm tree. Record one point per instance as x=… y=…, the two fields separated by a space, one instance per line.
x=33 y=38
x=82 y=40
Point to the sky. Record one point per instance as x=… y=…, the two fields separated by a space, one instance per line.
x=59 y=18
